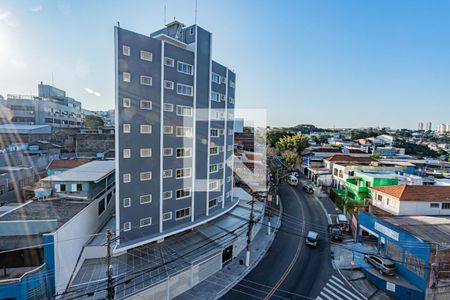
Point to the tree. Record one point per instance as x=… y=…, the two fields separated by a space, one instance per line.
x=291 y=159
x=93 y=122
x=274 y=135
x=296 y=143
x=376 y=155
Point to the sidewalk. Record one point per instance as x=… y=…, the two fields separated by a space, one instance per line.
x=344 y=257
x=218 y=284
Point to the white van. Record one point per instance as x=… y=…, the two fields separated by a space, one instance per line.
x=293 y=181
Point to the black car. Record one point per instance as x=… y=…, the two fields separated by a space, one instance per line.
x=336 y=234
x=308 y=189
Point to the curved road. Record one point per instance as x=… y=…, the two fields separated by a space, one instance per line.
x=290 y=269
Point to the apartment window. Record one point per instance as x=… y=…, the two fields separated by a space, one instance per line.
x=126 y=128
x=185 y=68
x=184 y=89
x=215 y=96
x=167 y=195
x=215 y=77
x=168 y=84
x=445 y=205
x=146 y=129
x=126 y=153
x=146 y=80
x=169 y=62
x=182 y=213
x=145 y=55
x=127 y=226
x=126 y=202
x=230 y=131
x=214 y=132
x=434 y=205
x=126 y=77
x=126 y=178
x=146 y=222
x=145 y=176
x=183 y=193
x=212 y=203
x=146 y=152
x=126 y=102
x=230 y=147
x=213 y=168
x=145 y=199
x=168 y=129
x=230 y=116
x=213 y=150
x=146 y=104
x=184 y=131
x=191 y=30
x=231 y=83
x=167 y=173
x=126 y=50
x=184 y=152
x=168 y=151
x=217 y=115
x=183 y=173
x=167 y=216
x=168 y=107
x=213 y=185
x=185 y=111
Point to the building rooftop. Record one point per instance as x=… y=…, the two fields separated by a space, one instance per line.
x=350 y=159
x=60 y=209
x=435 y=229
x=415 y=192
x=67 y=163
x=93 y=171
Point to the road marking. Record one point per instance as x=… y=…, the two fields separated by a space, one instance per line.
x=344 y=290
x=332 y=293
x=338 y=291
x=337 y=279
x=324 y=295
x=297 y=253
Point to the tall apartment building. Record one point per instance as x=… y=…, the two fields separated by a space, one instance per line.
x=50 y=107
x=428 y=126
x=443 y=128
x=174 y=133
x=420 y=126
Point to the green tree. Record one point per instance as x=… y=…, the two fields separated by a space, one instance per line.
x=296 y=143
x=376 y=155
x=93 y=122
x=291 y=159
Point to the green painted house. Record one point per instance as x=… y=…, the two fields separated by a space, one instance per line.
x=357 y=187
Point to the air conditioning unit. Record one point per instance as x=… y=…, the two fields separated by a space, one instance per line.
x=222 y=97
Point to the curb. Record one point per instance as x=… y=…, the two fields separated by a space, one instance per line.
x=256 y=262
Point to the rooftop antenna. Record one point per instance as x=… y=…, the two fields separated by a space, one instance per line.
x=118 y=24
x=165 y=15
x=195 y=12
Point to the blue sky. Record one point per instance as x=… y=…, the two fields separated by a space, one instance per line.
x=329 y=63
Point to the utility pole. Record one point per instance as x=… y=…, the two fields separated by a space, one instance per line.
x=249 y=233
x=109 y=270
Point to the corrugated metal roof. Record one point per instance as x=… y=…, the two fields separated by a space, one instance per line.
x=92 y=171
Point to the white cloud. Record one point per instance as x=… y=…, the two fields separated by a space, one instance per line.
x=36 y=8
x=5 y=15
x=92 y=92
x=18 y=64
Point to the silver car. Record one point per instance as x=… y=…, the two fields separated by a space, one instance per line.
x=383 y=265
x=312 y=238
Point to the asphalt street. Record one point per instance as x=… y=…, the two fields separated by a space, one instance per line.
x=291 y=269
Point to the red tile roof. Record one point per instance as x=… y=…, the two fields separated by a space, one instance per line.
x=415 y=192
x=348 y=158
x=59 y=164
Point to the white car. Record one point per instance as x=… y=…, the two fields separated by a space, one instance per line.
x=312 y=238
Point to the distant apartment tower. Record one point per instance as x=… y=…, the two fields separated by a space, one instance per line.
x=443 y=128
x=174 y=133
x=50 y=107
x=420 y=126
x=428 y=126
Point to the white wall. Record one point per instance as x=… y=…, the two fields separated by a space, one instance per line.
x=400 y=208
x=70 y=238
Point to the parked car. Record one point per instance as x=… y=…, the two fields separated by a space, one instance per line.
x=383 y=265
x=296 y=174
x=343 y=222
x=312 y=238
x=308 y=189
x=336 y=234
